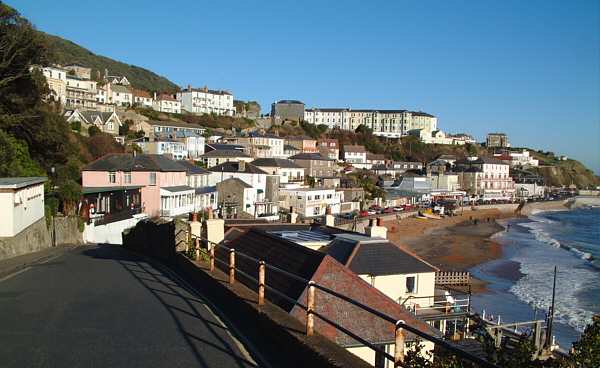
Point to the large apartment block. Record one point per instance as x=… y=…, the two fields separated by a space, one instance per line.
x=385 y=123
x=206 y=101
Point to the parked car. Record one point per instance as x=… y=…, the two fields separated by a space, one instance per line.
x=388 y=210
x=372 y=212
x=364 y=213
x=398 y=209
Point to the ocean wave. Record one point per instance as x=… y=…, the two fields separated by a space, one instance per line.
x=535 y=288
x=539 y=228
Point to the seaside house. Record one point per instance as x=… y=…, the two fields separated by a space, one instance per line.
x=356 y=156
x=288 y=171
x=206 y=101
x=291 y=247
x=311 y=202
x=166 y=103
x=206 y=196
x=302 y=143
x=217 y=157
x=315 y=164
x=485 y=178
x=107 y=122
x=263 y=145
x=162 y=183
x=142 y=98
x=329 y=148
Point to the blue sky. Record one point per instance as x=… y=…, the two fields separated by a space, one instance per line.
x=527 y=68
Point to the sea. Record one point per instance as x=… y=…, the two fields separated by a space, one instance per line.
x=520 y=283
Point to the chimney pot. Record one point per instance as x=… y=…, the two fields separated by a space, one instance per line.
x=371 y=222
x=379 y=221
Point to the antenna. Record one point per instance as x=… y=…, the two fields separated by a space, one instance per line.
x=551 y=313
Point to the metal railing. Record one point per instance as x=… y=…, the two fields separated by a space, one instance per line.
x=310 y=307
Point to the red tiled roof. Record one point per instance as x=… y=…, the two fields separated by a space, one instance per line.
x=333 y=275
x=141 y=93
x=166 y=97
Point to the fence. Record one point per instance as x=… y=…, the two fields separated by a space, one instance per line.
x=452 y=278
x=229 y=264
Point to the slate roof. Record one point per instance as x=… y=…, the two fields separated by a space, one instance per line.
x=309 y=264
x=223 y=146
x=204 y=190
x=225 y=153
x=310 y=156
x=375 y=257
x=192 y=169
x=127 y=162
x=175 y=124
x=231 y=166
x=237 y=180
x=278 y=252
x=480 y=160
x=20 y=182
x=121 y=89
x=276 y=162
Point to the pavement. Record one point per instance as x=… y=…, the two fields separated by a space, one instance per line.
x=103 y=306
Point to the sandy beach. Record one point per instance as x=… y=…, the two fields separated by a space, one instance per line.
x=453 y=243
x=461 y=242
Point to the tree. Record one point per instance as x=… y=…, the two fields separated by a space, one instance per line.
x=15 y=159
x=586 y=351
x=101 y=144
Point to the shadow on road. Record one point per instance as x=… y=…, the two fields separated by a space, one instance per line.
x=167 y=290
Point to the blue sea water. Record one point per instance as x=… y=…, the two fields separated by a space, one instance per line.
x=569 y=240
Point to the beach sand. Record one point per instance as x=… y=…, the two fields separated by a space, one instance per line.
x=452 y=243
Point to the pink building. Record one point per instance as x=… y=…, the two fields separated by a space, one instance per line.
x=161 y=182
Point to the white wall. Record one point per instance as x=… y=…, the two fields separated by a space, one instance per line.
x=110 y=233
x=20 y=208
x=394 y=286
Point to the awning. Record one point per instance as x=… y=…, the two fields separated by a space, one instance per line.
x=180 y=189
x=93 y=190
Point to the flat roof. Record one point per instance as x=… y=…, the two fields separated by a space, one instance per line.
x=20 y=182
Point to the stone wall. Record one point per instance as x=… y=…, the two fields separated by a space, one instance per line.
x=32 y=239
x=66 y=230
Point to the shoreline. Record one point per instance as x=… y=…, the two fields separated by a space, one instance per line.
x=462 y=242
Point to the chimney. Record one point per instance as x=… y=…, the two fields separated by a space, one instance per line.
x=376 y=230
x=292 y=216
x=195 y=226
x=329 y=219
x=213 y=229
x=242 y=166
x=155 y=95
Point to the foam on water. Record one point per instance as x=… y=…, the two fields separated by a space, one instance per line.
x=575 y=274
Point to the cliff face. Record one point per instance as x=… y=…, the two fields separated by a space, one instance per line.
x=568 y=172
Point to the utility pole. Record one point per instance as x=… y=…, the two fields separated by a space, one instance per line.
x=551 y=314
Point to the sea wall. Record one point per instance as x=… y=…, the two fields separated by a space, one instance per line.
x=583 y=201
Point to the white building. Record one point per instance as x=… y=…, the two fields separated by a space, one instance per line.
x=57 y=82
x=22 y=204
x=142 y=98
x=206 y=196
x=355 y=155
x=518 y=159
x=485 y=178
x=121 y=95
x=384 y=123
x=174 y=148
x=172 y=128
x=206 y=101
x=310 y=202
x=288 y=171
x=246 y=172
x=166 y=103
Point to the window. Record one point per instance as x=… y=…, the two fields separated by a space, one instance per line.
x=328 y=196
x=112 y=177
x=411 y=284
x=128 y=178
x=152 y=178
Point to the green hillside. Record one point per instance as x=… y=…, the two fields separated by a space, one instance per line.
x=63 y=52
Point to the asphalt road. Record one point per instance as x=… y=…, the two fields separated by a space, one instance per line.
x=102 y=306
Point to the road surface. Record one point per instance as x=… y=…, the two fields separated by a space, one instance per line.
x=102 y=306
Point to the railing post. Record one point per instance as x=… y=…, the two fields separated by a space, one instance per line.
x=197 y=249
x=231 y=266
x=399 y=344
x=211 y=252
x=261 y=283
x=310 y=307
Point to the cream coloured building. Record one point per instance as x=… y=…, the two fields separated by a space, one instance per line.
x=57 y=82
